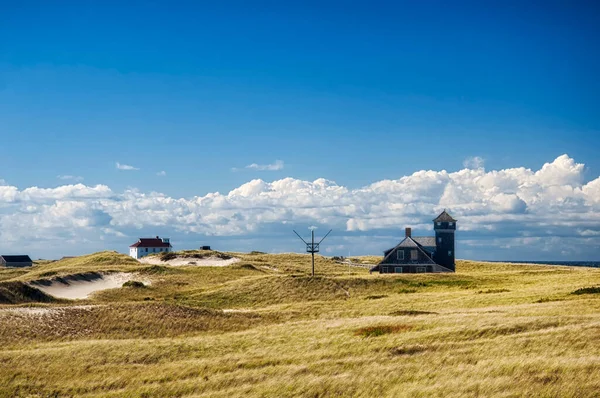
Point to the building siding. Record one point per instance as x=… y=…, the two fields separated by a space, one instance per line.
x=139 y=252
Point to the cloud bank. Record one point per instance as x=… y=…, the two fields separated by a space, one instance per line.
x=546 y=212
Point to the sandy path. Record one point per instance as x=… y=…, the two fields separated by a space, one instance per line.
x=200 y=262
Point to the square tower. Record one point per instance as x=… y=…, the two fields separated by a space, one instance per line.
x=445 y=227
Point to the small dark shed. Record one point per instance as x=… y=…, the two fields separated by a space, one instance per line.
x=15 y=261
x=204 y=247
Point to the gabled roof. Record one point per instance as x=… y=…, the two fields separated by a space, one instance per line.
x=16 y=259
x=409 y=242
x=444 y=217
x=426 y=241
x=150 y=242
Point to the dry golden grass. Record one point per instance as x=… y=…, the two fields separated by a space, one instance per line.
x=263 y=328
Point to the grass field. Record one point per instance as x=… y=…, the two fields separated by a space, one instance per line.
x=264 y=328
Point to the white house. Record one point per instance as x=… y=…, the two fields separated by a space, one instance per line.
x=145 y=246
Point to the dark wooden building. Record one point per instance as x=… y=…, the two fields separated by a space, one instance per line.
x=423 y=253
x=15 y=261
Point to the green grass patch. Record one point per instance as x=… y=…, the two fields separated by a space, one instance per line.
x=380 y=330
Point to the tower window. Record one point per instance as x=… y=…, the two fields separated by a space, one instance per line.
x=451 y=224
x=439 y=223
x=400 y=254
x=449 y=252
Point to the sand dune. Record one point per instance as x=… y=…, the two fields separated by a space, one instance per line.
x=200 y=262
x=82 y=286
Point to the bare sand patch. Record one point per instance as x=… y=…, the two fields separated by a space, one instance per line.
x=191 y=261
x=82 y=286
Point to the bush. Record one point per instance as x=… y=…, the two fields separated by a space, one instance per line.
x=587 y=290
x=134 y=284
x=376 y=297
x=166 y=256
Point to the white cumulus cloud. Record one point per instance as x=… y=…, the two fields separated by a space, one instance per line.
x=125 y=167
x=69 y=177
x=275 y=166
x=475 y=162
x=161 y=173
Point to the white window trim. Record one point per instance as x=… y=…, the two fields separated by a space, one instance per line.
x=400 y=255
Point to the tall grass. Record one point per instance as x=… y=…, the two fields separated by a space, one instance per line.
x=264 y=328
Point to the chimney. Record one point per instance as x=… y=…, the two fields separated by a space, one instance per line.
x=408 y=232
x=156 y=236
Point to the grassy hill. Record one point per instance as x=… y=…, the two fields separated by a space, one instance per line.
x=264 y=327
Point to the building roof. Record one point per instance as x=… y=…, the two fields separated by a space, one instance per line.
x=410 y=243
x=150 y=242
x=427 y=241
x=16 y=259
x=444 y=217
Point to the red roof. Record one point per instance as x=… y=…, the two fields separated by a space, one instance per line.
x=150 y=242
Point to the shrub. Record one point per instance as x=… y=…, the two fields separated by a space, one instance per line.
x=166 y=256
x=134 y=284
x=411 y=313
x=587 y=290
x=376 y=297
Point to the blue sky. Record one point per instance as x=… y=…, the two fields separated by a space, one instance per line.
x=352 y=92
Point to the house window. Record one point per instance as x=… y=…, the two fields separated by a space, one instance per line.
x=451 y=224
x=449 y=252
x=398 y=270
x=414 y=255
x=384 y=270
x=400 y=254
x=439 y=224
x=146 y=250
x=421 y=269
x=439 y=240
